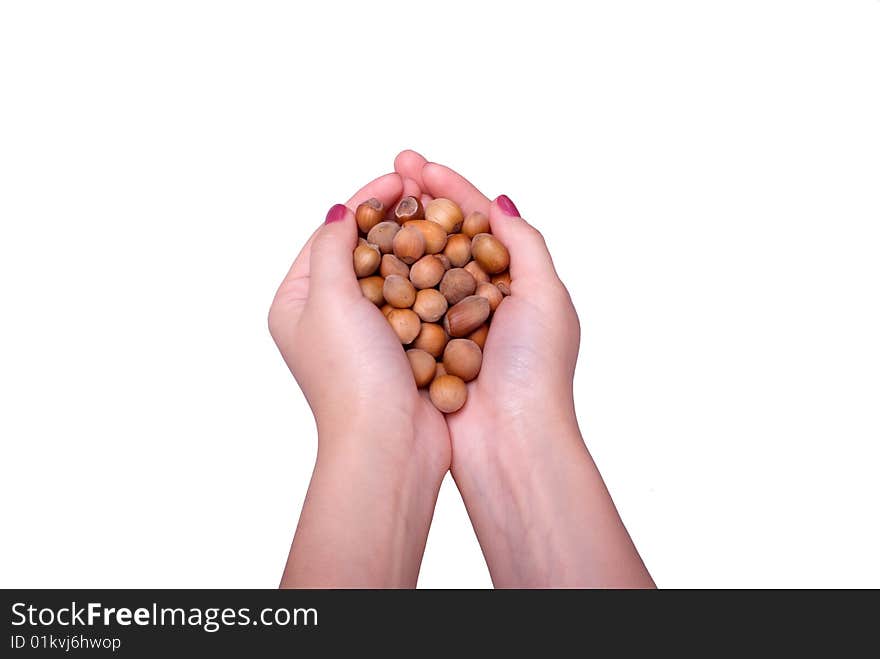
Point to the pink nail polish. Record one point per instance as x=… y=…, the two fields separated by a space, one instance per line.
x=507 y=206
x=335 y=214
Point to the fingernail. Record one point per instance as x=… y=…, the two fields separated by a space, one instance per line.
x=507 y=206
x=335 y=214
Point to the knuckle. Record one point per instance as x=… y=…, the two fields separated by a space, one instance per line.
x=537 y=237
x=274 y=319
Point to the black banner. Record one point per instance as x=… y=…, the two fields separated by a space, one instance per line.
x=280 y=623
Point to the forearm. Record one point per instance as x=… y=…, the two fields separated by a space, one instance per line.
x=365 y=519
x=542 y=513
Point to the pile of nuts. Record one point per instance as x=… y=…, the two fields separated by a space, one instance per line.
x=438 y=278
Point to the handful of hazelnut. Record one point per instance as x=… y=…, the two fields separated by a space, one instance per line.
x=440 y=278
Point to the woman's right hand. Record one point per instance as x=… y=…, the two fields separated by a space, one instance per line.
x=532 y=347
x=537 y=502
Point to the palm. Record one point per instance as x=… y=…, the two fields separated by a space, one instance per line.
x=383 y=367
x=518 y=364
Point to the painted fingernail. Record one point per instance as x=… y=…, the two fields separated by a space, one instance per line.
x=335 y=214
x=507 y=206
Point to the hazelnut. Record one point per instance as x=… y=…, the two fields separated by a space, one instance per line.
x=371 y=287
x=382 y=236
x=409 y=208
x=399 y=292
x=405 y=324
x=462 y=357
x=488 y=251
x=408 y=245
x=435 y=236
x=490 y=292
x=366 y=259
x=436 y=287
x=479 y=335
x=463 y=318
x=423 y=366
x=426 y=272
x=444 y=212
x=458 y=250
x=430 y=305
x=502 y=278
x=448 y=393
x=477 y=272
x=369 y=214
x=476 y=222
x=431 y=338
x=391 y=265
x=457 y=284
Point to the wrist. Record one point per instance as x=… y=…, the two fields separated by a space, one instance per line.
x=540 y=509
x=516 y=440
x=392 y=443
x=366 y=516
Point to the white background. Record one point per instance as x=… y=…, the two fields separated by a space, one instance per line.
x=707 y=176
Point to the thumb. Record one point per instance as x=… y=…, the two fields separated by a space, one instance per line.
x=330 y=261
x=529 y=257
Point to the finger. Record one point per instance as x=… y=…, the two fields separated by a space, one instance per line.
x=411 y=188
x=529 y=257
x=409 y=165
x=441 y=181
x=386 y=189
x=331 y=272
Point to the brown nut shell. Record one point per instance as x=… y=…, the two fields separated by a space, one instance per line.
x=382 y=236
x=479 y=335
x=407 y=209
x=491 y=255
x=434 y=234
x=432 y=339
x=502 y=277
x=408 y=245
x=448 y=393
x=439 y=371
x=369 y=214
x=491 y=293
x=477 y=272
x=463 y=318
x=430 y=305
x=405 y=323
x=457 y=284
x=391 y=265
x=458 y=250
x=423 y=366
x=462 y=357
x=426 y=272
x=444 y=260
x=386 y=309
x=476 y=222
x=372 y=287
x=366 y=260
x=444 y=212
x=399 y=292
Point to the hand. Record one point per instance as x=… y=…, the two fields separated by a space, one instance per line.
x=383 y=449
x=537 y=502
